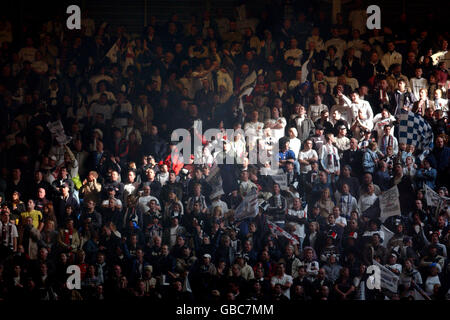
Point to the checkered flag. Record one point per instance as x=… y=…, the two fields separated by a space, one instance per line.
x=415 y=130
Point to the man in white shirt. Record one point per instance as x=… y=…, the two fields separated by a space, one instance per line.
x=342 y=107
x=367 y=199
x=253 y=129
x=283 y=279
x=433 y=278
x=102 y=107
x=297 y=217
x=387 y=140
x=393 y=265
x=418 y=82
x=391 y=56
x=8 y=234
x=316 y=109
x=145 y=198
x=347 y=203
x=342 y=142
x=340 y=220
x=330 y=157
x=356 y=104
x=276 y=124
x=294 y=52
x=338 y=42
x=306 y=156
x=245 y=185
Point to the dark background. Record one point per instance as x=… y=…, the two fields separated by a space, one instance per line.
x=133 y=13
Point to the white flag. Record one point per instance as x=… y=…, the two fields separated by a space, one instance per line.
x=389 y=280
x=388 y=234
x=248 y=208
x=389 y=204
x=281 y=232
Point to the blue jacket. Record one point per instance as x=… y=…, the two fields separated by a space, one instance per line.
x=427 y=177
x=369 y=161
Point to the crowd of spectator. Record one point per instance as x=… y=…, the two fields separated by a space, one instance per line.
x=140 y=223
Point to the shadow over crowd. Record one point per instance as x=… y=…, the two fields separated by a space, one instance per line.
x=141 y=223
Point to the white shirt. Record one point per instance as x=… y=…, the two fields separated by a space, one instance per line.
x=430 y=282
x=163 y=178
x=106 y=202
x=307 y=155
x=296 y=54
x=379 y=124
x=343 y=143
x=320 y=46
x=173 y=235
x=11 y=233
x=144 y=200
x=352 y=82
x=441 y=104
x=340 y=45
x=396 y=266
x=285 y=279
x=357 y=44
x=341 y=220
x=104 y=109
x=315 y=111
x=391 y=58
x=299 y=228
x=417 y=84
x=278 y=133
x=330 y=158
x=360 y=105
x=254 y=129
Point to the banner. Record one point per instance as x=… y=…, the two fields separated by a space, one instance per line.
x=281 y=179
x=57 y=130
x=434 y=199
x=388 y=234
x=249 y=207
x=214 y=179
x=389 y=203
x=305 y=71
x=112 y=53
x=389 y=280
x=246 y=88
x=281 y=232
